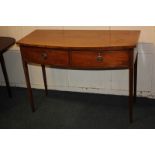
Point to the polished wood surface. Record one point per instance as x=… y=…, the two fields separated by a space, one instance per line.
x=5 y=43
x=43 y=56
x=82 y=49
x=97 y=59
x=76 y=39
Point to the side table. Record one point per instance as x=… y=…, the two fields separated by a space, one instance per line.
x=5 y=43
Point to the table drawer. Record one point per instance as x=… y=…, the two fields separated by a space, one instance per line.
x=95 y=59
x=45 y=56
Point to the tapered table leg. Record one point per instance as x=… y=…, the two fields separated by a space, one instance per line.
x=131 y=94
x=25 y=66
x=44 y=78
x=135 y=79
x=5 y=75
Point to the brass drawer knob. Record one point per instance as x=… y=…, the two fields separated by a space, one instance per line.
x=44 y=55
x=99 y=58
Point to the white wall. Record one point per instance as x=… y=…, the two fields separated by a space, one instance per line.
x=109 y=82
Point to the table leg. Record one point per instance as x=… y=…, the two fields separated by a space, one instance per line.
x=25 y=66
x=131 y=93
x=5 y=75
x=44 y=78
x=135 y=79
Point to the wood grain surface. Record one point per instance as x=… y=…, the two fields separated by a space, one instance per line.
x=76 y=39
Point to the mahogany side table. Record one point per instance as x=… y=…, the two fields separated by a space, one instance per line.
x=83 y=50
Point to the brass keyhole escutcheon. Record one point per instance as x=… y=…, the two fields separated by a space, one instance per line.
x=44 y=55
x=99 y=58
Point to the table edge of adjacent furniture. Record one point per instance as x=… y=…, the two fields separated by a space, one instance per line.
x=9 y=41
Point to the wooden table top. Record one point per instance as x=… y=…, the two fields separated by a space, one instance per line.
x=5 y=43
x=94 y=39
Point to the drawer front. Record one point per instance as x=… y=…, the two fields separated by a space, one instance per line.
x=45 y=56
x=95 y=59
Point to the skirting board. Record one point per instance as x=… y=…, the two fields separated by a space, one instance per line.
x=147 y=94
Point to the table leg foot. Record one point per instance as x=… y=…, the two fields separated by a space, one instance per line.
x=5 y=75
x=25 y=66
x=135 y=79
x=131 y=94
